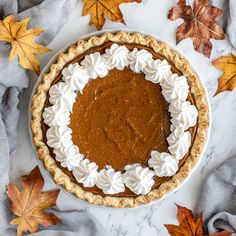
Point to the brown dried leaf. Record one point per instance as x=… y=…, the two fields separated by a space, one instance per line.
x=199 y=24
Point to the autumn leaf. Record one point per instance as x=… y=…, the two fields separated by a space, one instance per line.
x=227 y=64
x=188 y=226
x=29 y=204
x=21 y=40
x=199 y=24
x=98 y=9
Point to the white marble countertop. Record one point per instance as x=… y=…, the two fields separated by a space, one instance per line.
x=150 y=16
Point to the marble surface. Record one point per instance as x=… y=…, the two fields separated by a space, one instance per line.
x=150 y=16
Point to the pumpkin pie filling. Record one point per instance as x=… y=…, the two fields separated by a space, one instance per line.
x=119 y=119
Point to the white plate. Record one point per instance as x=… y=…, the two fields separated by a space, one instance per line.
x=98 y=33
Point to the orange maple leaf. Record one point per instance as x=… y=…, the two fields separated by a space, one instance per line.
x=30 y=203
x=98 y=9
x=199 y=24
x=188 y=226
x=227 y=64
x=21 y=40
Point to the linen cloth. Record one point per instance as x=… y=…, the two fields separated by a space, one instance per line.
x=228 y=21
x=217 y=201
x=50 y=15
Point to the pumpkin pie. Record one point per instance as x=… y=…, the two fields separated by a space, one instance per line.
x=119 y=119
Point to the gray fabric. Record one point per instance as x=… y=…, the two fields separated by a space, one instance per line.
x=4 y=158
x=231 y=23
x=217 y=201
x=74 y=223
x=228 y=21
x=224 y=221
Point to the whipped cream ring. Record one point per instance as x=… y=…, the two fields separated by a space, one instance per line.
x=137 y=178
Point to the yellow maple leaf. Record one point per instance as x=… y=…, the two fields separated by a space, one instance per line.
x=227 y=64
x=29 y=204
x=98 y=9
x=21 y=40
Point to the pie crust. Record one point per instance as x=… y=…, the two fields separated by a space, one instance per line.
x=162 y=48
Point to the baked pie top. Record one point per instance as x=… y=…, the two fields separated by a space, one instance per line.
x=119 y=119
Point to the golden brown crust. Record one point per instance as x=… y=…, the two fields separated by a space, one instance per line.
x=180 y=63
